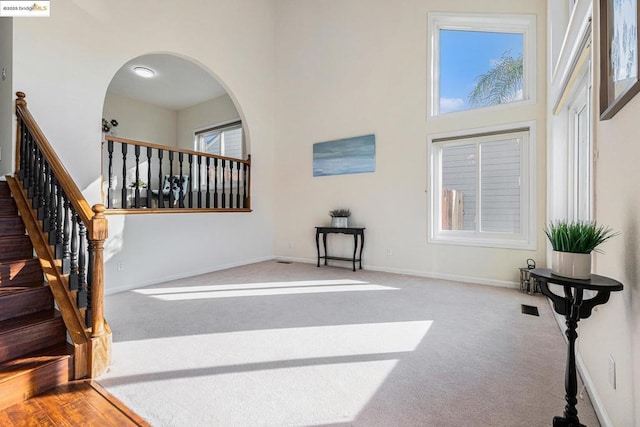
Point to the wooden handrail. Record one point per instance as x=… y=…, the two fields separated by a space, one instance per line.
x=175 y=149
x=93 y=345
x=70 y=188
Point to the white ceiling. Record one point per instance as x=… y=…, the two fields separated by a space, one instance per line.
x=177 y=84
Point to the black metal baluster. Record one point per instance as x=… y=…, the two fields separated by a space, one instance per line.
x=66 y=261
x=230 y=184
x=160 y=179
x=123 y=192
x=215 y=182
x=171 y=181
x=180 y=181
x=41 y=187
x=81 y=297
x=208 y=162
x=238 y=164
x=110 y=168
x=24 y=146
x=32 y=169
x=59 y=206
x=53 y=210
x=190 y=186
x=199 y=181
x=245 y=180
x=47 y=199
x=28 y=143
x=73 y=276
x=35 y=201
x=149 y=153
x=137 y=187
x=224 y=194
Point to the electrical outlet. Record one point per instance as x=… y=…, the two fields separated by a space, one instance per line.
x=612 y=372
x=389 y=252
x=121 y=266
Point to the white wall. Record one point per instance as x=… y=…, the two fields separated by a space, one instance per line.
x=355 y=67
x=65 y=63
x=614 y=328
x=141 y=121
x=215 y=111
x=7 y=97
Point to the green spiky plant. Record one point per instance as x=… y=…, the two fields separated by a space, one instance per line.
x=340 y=213
x=582 y=237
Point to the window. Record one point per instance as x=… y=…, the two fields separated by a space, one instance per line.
x=580 y=161
x=480 y=61
x=224 y=140
x=482 y=187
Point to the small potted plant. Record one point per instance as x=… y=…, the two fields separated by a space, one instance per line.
x=340 y=218
x=138 y=184
x=573 y=243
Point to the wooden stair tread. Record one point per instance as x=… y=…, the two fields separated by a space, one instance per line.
x=28 y=376
x=13 y=290
x=8 y=206
x=13 y=248
x=29 y=362
x=24 y=322
x=11 y=225
x=26 y=271
x=22 y=300
x=27 y=334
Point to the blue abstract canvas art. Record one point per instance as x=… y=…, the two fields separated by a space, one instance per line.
x=345 y=156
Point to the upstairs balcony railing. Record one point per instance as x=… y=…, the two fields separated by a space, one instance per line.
x=140 y=177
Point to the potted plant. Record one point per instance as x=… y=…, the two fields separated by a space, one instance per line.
x=573 y=243
x=138 y=184
x=340 y=218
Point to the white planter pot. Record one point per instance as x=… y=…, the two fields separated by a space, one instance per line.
x=340 y=222
x=568 y=264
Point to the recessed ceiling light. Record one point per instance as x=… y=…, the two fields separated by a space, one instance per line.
x=144 y=72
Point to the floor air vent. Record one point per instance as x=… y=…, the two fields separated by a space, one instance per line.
x=283 y=262
x=529 y=309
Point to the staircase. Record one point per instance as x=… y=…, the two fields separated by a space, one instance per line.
x=34 y=354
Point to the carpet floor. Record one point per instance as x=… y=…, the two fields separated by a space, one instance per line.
x=279 y=344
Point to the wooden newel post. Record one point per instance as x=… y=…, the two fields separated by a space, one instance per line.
x=100 y=347
x=97 y=238
x=21 y=101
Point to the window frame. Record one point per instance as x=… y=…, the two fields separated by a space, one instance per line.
x=524 y=24
x=580 y=157
x=199 y=182
x=220 y=128
x=526 y=238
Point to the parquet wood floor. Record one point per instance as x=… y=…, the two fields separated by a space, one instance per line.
x=79 y=403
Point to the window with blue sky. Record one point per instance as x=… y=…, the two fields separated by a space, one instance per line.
x=480 y=60
x=470 y=58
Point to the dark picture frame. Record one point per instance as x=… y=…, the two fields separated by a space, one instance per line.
x=619 y=50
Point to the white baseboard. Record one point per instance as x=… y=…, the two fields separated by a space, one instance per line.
x=430 y=275
x=596 y=401
x=116 y=289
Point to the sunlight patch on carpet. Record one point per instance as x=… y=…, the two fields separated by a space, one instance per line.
x=293 y=376
x=259 y=289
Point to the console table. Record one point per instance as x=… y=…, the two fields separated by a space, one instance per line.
x=355 y=231
x=573 y=307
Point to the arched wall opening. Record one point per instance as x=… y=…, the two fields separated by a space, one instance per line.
x=167 y=100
